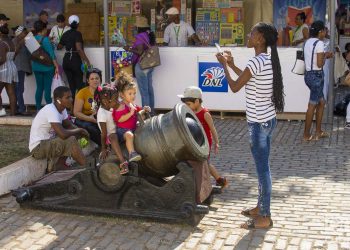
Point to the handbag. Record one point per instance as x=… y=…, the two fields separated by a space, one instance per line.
x=299 y=65
x=150 y=58
x=41 y=56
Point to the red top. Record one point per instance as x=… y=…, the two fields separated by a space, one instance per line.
x=200 y=116
x=131 y=122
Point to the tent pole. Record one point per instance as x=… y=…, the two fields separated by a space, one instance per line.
x=106 y=40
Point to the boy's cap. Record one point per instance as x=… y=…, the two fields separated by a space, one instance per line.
x=192 y=92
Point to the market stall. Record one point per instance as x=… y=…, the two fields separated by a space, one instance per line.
x=215 y=21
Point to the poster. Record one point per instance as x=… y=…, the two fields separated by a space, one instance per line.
x=284 y=11
x=122 y=8
x=212 y=77
x=32 y=8
x=136 y=7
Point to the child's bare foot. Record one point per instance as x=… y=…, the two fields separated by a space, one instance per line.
x=259 y=222
x=252 y=212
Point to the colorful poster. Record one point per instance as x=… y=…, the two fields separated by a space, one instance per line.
x=32 y=8
x=211 y=77
x=284 y=11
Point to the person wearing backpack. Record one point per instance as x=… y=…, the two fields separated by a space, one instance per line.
x=43 y=73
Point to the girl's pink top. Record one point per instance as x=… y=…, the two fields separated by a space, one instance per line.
x=131 y=122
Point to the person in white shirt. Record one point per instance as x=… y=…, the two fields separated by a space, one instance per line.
x=178 y=32
x=58 y=30
x=52 y=134
x=263 y=82
x=314 y=57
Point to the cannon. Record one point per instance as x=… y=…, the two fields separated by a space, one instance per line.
x=172 y=181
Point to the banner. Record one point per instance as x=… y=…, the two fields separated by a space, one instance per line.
x=32 y=8
x=284 y=11
x=212 y=77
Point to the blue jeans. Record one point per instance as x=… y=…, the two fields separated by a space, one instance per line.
x=314 y=79
x=144 y=81
x=20 y=91
x=260 y=139
x=43 y=84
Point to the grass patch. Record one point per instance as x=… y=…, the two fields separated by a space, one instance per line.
x=13 y=144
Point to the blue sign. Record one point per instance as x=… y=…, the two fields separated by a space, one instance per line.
x=212 y=77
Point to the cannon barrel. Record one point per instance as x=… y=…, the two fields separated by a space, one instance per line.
x=164 y=140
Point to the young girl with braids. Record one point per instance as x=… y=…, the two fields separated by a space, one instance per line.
x=107 y=98
x=125 y=116
x=263 y=83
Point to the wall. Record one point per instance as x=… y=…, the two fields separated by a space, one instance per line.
x=14 y=10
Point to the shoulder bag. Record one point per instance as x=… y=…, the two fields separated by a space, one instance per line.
x=150 y=57
x=299 y=65
x=41 y=56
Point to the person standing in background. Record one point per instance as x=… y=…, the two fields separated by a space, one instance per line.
x=8 y=70
x=301 y=32
x=178 y=32
x=22 y=62
x=43 y=74
x=58 y=30
x=72 y=40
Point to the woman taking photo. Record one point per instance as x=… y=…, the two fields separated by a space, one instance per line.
x=43 y=74
x=314 y=57
x=301 y=32
x=263 y=83
x=85 y=107
x=8 y=70
x=143 y=40
x=72 y=40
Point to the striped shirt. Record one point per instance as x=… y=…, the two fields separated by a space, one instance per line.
x=259 y=90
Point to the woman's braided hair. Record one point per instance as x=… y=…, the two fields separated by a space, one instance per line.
x=270 y=35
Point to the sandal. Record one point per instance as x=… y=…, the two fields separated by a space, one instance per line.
x=323 y=134
x=250 y=224
x=247 y=213
x=308 y=139
x=123 y=168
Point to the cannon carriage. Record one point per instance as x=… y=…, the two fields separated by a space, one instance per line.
x=172 y=181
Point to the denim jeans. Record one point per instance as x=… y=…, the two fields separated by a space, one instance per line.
x=314 y=79
x=260 y=139
x=19 y=91
x=144 y=81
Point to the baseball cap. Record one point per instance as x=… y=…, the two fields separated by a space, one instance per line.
x=73 y=18
x=172 y=11
x=192 y=92
x=4 y=17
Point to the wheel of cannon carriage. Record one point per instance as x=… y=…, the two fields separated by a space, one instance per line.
x=109 y=177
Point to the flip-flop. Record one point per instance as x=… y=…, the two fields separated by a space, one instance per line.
x=310 y=138
x=247 y=213
x=323 y=134
x=250 y=224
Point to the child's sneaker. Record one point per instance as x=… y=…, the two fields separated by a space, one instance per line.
x=134 y=156
x=347 y=125
x=222 y=182
x=124 y=168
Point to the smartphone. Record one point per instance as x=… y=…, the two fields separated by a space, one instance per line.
x=218 y=48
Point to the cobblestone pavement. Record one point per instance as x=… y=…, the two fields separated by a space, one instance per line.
x=310 y=203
